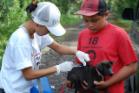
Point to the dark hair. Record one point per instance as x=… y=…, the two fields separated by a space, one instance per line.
x=102 y=13
x=31 y=7
x=103 y=8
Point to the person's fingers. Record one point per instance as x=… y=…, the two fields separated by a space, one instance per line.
x=69 y=84
x=97 y=83
x=84 y=87
x=101 y=84
x=72 y=85
x=83 y=57
x=84 y=63
x=87 y=58
x=84 y=84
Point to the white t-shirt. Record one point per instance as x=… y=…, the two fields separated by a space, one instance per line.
x=21 y=52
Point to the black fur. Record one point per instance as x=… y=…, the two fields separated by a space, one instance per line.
x=31 y=7
x=86 y=73
x=2 y=90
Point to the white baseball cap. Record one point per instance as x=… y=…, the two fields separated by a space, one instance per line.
x=47 y=14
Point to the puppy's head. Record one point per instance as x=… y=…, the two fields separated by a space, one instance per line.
x=105 y=68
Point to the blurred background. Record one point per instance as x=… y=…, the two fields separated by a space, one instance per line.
x=12 y=15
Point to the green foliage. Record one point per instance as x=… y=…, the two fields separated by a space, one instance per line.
x=10 y=19
x=67 y=6
x=70 y=19
x=117 y=6
x=2 y=46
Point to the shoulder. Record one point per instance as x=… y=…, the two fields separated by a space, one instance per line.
x=20 y=37
x=119 y=31
x=20 y=33
x=120 y=34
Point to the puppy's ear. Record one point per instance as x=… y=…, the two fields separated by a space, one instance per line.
x=107 y=64
x=105 y=68
x=110 y=62
x=108 y=68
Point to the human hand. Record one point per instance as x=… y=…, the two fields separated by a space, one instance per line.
x=83 y=57
x=84 y=85
x=101 y=84
x=64 y=67
x=69 y=84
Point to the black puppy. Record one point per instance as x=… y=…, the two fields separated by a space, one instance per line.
x=86 y=73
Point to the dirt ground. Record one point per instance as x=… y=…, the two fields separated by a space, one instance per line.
x=51 y=58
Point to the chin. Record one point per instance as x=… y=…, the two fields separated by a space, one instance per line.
x=93 y=30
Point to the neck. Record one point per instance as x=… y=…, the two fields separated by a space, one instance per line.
x=103 y=26
x=29 y=25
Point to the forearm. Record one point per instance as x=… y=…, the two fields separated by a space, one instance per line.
x=125 y=72
x=62 y=49
x=30 y=74
x=45 y=72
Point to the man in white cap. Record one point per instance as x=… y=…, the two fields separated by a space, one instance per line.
x=23 y=52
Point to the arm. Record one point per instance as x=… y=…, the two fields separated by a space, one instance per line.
x=30 y=74
x=123 y=73
x=61 y=49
